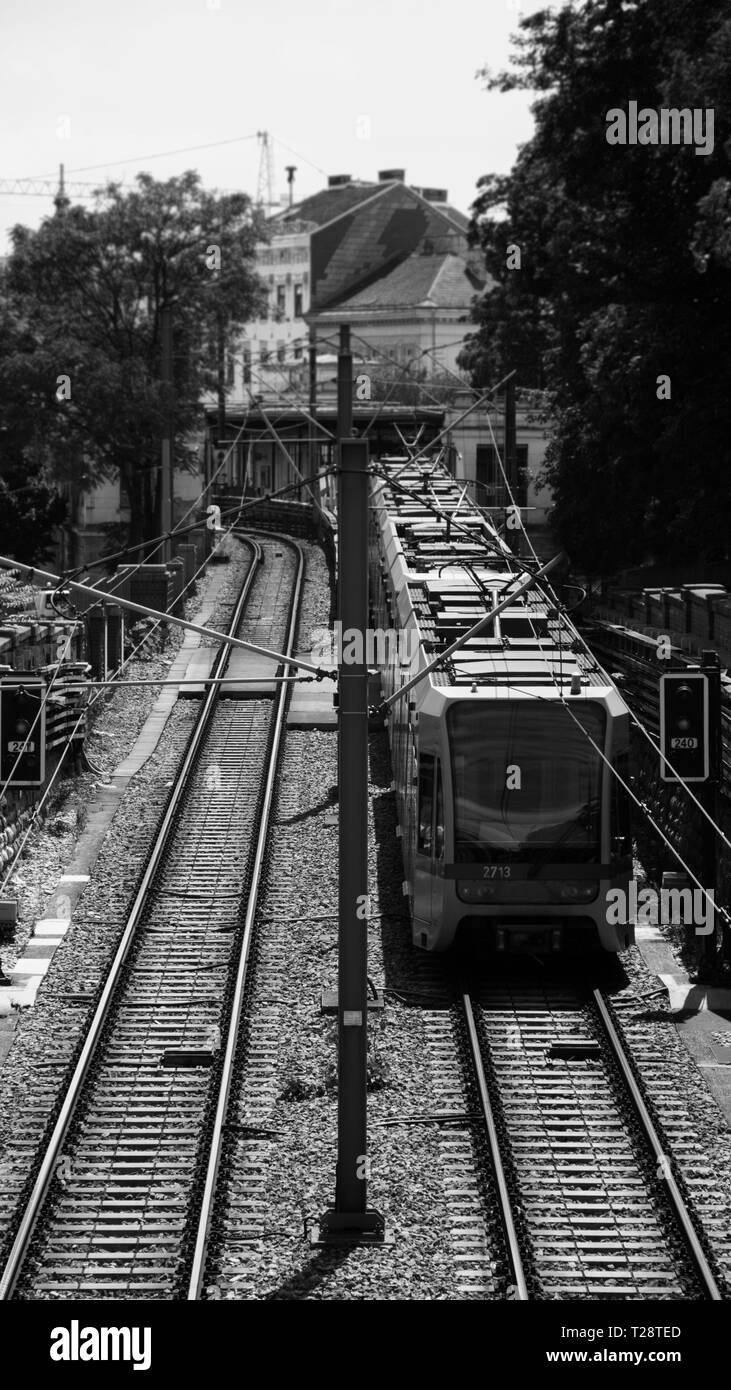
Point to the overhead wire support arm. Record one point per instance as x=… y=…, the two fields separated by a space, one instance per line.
x=452 y=425
x=280 y=443
x=472 y=632
x=29 y=571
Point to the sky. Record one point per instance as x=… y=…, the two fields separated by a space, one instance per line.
x=341 y=86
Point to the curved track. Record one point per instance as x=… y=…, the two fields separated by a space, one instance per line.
x=121 y=1203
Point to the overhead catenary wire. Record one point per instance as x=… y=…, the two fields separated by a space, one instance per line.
x=707 y=893
x=498 y=546
x=42 y=703
x=641 y=805
x=118 y=682
x=633 y=717
x=38 y=807
x=160 y=154
x=423 y=387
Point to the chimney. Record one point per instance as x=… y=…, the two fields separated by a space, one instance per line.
x=339 y=180
x=388 y=175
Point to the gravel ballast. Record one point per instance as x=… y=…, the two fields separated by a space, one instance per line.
x=48 y=1035
x=283 y=1127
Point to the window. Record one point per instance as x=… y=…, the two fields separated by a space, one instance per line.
x=554 y=808
x=427 y=763
x=230 y=369
x=430 y=839
x=281 y=298
x=439 y=818
x=404 y=352
x=297 y=350
x=298 y=302
x=247 y=365
x=281 y=348
x=263 y=353
x=621 y=844
x=491 y=491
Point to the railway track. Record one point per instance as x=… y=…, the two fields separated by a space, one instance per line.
x=590 y=1207
x=121 y=1203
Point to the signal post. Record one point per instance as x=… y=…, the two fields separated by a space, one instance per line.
x=22 y=731
x=710 y=799
x=690 y=751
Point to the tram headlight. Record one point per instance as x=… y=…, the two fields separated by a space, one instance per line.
x=578 y=892
x=473 y=890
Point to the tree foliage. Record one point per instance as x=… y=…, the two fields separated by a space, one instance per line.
x=624 y=277
x=92 y=285
x=30 y=505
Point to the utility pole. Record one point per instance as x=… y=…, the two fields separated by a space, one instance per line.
x=312 y=460
x=221 y=381
x=509 y=445
x=166 y=468
x=510 y=460
x=351 y=1221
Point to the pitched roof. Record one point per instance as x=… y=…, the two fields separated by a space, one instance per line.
x=443 y=278
x=322 y=207
x=330 y=203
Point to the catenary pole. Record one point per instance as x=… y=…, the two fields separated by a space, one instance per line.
x=166 y=465
x=351 y=1221
x=312 y=462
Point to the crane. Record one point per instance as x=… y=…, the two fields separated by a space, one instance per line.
x=45 y=188
x=264 y=183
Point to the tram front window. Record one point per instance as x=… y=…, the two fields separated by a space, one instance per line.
x=527 y=780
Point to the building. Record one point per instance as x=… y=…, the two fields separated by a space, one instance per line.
x=393 y=262
x=389 y=258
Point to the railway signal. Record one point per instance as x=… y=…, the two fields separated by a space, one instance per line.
x=685 y=731
x=22 y=732
x=690 y=740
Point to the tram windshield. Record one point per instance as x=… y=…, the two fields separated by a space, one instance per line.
x=526 y=780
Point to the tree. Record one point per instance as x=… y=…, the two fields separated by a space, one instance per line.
x=94 y=285
x=623 y=278
x=30 y=506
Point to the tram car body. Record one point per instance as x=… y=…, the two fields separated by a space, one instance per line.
x=513 y=826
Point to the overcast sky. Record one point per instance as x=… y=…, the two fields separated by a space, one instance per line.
x=343 y=86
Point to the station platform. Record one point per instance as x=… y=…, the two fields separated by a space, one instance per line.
x=247 y=676
x=312 y=704
x=250 y=676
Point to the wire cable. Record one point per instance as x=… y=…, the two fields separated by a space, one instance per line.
x=633 y=717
